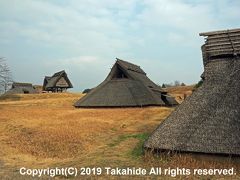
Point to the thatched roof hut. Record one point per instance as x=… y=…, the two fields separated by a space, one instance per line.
x=209 y=120
x=126 y=86
x=85 y=91
x=59 y=82
x=21 y=88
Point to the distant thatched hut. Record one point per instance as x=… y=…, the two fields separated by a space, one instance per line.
x=59 y=82
x=21 y=88
x=85 y=91
x=209 y=120
x=38 y=88
x=126 y=86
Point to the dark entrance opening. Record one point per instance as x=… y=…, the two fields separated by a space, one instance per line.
x=25 y=91
x=164 y=98
x=119 y=74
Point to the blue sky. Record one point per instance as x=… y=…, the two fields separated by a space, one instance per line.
x=40 y=37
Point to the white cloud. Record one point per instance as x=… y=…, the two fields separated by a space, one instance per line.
x=67 y=26
x=175 y=38
x=92 y=32
x=77 y=62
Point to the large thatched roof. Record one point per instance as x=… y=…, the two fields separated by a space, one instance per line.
x=126 y=86
x=209 y=120
x=21 y=88
x=51 y=82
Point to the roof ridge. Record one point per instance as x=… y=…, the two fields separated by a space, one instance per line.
x=209 y=33
x=58 y=73
x=130 y=66
x=126 y=62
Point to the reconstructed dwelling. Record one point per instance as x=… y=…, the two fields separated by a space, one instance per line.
x=59 y=82
x=209 y=120
x=126 y=86
x=21 y=88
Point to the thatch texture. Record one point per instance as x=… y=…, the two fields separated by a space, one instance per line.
x=209 y=120
x=219 y=43
x=21 y=88
x=58 y=82
x=126 y=86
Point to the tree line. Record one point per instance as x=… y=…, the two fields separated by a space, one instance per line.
x=175 y=83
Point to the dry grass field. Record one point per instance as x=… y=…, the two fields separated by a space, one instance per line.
x=45 y=130
x=180 y=92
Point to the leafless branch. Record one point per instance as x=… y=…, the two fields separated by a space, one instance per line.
x=5 y=75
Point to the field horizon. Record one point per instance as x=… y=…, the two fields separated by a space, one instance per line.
x=45 y=130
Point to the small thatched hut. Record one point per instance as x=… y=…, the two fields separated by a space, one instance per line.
x=85 y=91
x=21 y=88
x=126 y=86
x=209 y=120
x=59 y=82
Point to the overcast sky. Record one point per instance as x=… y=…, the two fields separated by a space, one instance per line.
x=83 y=37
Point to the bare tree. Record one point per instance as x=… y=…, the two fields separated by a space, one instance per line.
x=5 y=76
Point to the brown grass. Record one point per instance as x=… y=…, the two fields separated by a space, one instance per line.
x=180 y=91
x=46 y=130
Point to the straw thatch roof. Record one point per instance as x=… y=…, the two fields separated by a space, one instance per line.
x=57 y=82
x=209 y=120
x=221 y=43
x=126 y=86
x=21 y=88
